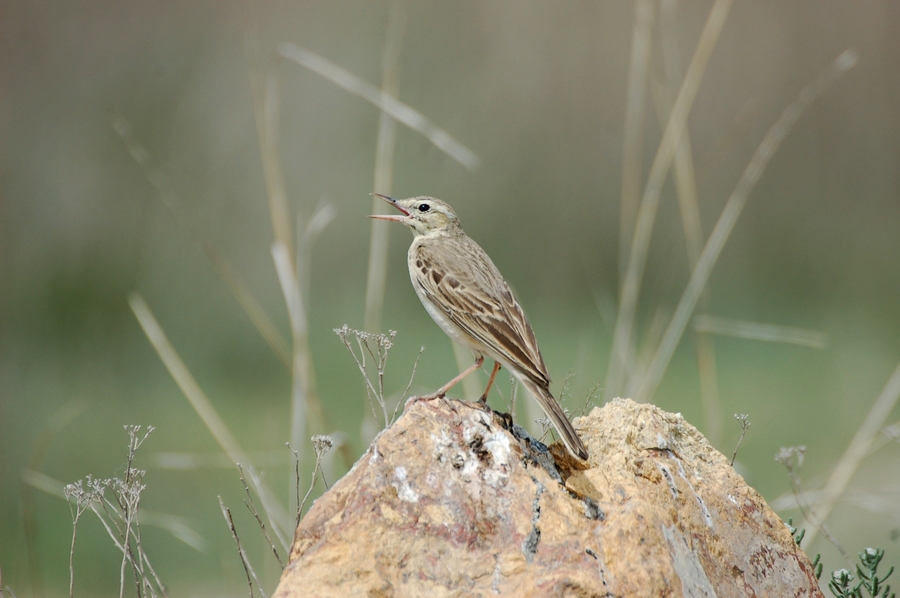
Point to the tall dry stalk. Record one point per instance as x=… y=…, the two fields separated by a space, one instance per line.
x=172 y=200
x=401 y=112
x=689 y=207
x=384 y=171
x=729 y=216
x=630 y=288
x=641 y=44
x=858 y=449
x=277 y=514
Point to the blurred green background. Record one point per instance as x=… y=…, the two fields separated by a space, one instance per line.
x=538 y=92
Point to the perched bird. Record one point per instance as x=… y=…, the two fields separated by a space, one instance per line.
x=463 y=292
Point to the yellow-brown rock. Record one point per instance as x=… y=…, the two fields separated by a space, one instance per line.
x=449 y=502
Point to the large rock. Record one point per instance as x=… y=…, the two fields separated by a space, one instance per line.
x=450 y=502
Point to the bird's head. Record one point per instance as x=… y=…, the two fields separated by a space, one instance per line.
x=423 y=215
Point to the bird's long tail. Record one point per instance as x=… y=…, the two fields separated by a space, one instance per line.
x=558 y=417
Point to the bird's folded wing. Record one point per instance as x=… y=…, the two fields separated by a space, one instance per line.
x=479 y=302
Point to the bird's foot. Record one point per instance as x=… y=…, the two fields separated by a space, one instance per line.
x=432 y=397
x=415 y=399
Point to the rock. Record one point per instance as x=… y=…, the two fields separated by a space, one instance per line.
x=453 y=501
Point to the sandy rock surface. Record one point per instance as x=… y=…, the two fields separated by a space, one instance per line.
x=453 y=501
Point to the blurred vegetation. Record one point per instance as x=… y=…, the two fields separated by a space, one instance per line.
x=539 y=92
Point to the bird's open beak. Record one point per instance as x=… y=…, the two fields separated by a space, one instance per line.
x=394 y=203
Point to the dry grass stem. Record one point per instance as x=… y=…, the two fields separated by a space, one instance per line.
x=321 y=445
x=689 y=206
x=744 y=420
x=641 y=43
x=82 y=499
x=384 y=170
x=858 y=448
x=171 y=200
x=591 y=397
x=204 y=408
x=308 y=398
x=155 y=176
x=888 y=434
x=260 y=319
x=116 y=503
x=178 y=527
x=187 y=461
x=291 y=274
x=321 y=217
x=128 y=495
x=248 y=568
x=296 y=480
x=397 y=109
x=792 y=458
x=373 y=351
x=630 y=290
x=269 y=506
x=729 y=216
x=772 y=333
x=302 y=367
x=665 y=94
x=408 y=384
x=267 y=116
x=252 y=508
x=304 y=400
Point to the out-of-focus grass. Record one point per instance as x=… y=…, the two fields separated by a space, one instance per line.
x=790 y=393
x=542 y=102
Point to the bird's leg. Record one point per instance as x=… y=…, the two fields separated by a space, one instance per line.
x=446 y=387
x=484 y=397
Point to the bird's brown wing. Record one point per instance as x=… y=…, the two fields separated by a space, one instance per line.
x=459 y=279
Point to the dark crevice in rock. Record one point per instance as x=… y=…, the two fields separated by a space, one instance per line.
x=529 y=546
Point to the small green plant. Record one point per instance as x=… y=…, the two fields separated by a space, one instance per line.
x=842 y=586
x=798 y=534
x=870 y=558
x=817 y=566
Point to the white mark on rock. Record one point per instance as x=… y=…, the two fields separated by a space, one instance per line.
x=401 y=485
x=498 y=444
x=495 y=580
x=703 y=510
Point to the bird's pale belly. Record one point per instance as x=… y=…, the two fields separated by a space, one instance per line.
x=449 y=328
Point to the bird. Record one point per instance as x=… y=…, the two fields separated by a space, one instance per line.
x=465 y=294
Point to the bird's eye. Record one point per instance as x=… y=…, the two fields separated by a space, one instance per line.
x=424 y=207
